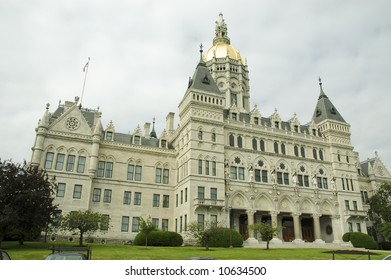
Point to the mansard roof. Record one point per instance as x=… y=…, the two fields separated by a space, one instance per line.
x=89 y=114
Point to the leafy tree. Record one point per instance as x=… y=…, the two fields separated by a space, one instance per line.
x=386 y=230
x=380 y=207
x=146 y=227
x=82 y=222
x=26 y=200
x=202 y=233
x=266 y=230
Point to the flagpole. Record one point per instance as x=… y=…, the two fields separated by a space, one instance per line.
x=85 y=69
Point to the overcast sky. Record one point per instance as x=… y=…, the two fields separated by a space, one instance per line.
x=143 y=52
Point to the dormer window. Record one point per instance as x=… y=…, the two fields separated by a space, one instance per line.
x=234 y=116
x=109 y=135
x=137 y=140
x=256 y=120
x=277 y=124
x=163 y=143
x=296 y=128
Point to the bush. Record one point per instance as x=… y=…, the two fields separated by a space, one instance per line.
x=360 y=240
x=221 y=237
x=159 y=238
x=386 y=245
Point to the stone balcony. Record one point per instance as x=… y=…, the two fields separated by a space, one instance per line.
x=207 y=202
x=355 y=214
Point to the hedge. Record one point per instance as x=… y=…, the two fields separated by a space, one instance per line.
x=360 y=240
x=159 y=238
x=222 y=237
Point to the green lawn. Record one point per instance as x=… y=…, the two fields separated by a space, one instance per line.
x=38 y=251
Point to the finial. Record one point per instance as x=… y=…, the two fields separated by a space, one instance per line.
x=320 y=81
x=47 y=106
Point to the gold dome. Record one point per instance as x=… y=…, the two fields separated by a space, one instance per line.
x=222 y=50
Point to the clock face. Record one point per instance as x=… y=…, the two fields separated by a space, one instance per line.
x=72 y=123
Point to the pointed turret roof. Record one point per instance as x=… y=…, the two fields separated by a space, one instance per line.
x=202 y=79
x=325 y=110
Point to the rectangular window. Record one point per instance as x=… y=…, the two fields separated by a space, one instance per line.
x=77 y=191
x=155 y=222
x=325 y=184
x=135 y=224
x=257 y=175
x=201 y=193
x=109 y=170
x=130 y=172
x=355 y=205
x=137 y=140
x=49 y=160
x=180 y=224
x=233 y=172
x=300 y=180
x=213 y=219
x=347 y=206
x=286 y=178
x=213 y=194
x=107 y=196
x=109 y=135
x=164 y=224
x=207 y=167
x=358 y=227
x=185 y=194
x=214 y=170
x=176 y=200
x=199 y=166
x=343 y=183
x=137 y=198
x=264 y=176
x=279 y=178
x=185 y=225
x=241 y=173
x=60 y=190
x=158 y=175
x=166 y=176
x=71 y=162
x=181 y=196
x=351 y=184
x=60 y=161
x=101 y=169
x=347 y=183
x=139 y=170
x=156 y=200
x=306 y=181
x=96 y=195
x=125 y=224
x=350 y=225
x=200 y=221
x=166 y=201
x=105 y=222
x=81 y=164
x=127 y=197
x=364 y=196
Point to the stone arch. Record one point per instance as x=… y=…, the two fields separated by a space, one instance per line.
x=239 y=201
x=286 y=205
x=307 y=206
x=326 y=208
x=263 y=202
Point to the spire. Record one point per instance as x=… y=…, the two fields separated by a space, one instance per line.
x=221 y=31
x=153 y=133
x=45 y=119
x=202 y=62
x=325 y=110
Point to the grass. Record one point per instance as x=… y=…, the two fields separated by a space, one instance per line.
x=39 y=250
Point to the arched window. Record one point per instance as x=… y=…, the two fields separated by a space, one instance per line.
x=255 y=144
x=231 y=140
x=276 y=147
x=240 y=142
x=302 y=150
x=296 y=150
x=262 y=145
x=315 y=154
x=321 y=155
x=283 y=151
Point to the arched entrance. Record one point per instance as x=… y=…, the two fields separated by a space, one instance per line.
x=243 y=226
x=288 y=232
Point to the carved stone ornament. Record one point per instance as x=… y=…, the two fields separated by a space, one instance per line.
x=72 y=123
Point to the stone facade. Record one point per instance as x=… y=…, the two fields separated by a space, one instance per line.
x=223 y=163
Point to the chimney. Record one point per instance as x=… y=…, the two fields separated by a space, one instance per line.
x=170 y=122
x=147 y=128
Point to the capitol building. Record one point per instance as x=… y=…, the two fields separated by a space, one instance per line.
x=224 y=162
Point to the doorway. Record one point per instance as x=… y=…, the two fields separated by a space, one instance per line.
x=288 y=232
x=307 y=228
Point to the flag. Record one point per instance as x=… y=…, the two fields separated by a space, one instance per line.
x=86 y=66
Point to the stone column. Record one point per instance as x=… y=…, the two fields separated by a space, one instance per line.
x=251 y=241
x=318 y=238
x=296 y=227
x=274 y=218
x=336 y=228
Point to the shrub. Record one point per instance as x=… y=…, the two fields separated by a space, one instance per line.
x=221 y=237
x=360 y=240
x=386 y=245
x=159 y=238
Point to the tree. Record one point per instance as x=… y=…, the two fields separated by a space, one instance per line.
x=386 y=230
x=82 y=222
x=266 y=230
x=201 y=232
x=380 y=208
x=146 y=227
x=26 y=200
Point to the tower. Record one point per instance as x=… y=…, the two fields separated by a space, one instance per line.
x=229 y=69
